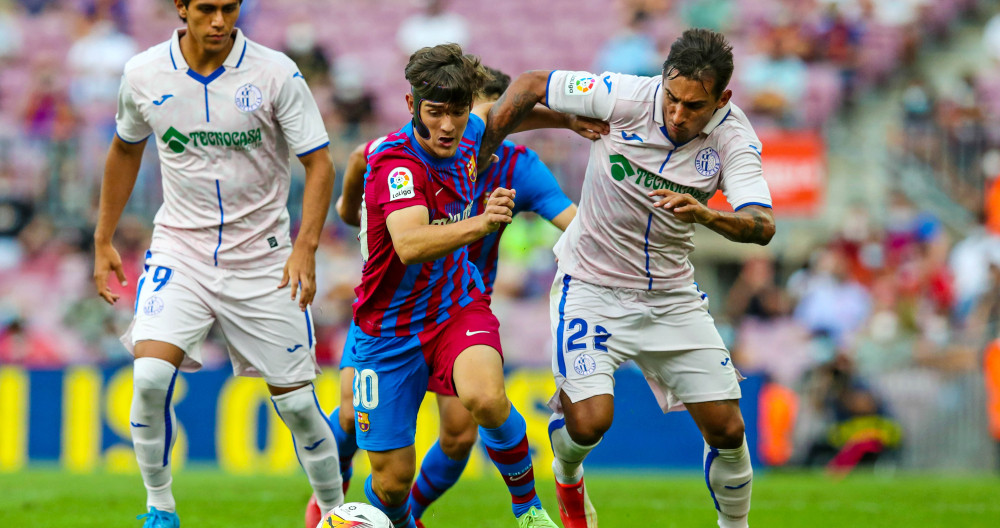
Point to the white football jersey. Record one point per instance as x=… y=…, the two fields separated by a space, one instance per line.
x=224 y=144
x=617 y=238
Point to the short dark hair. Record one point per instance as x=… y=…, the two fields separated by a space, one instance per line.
x=187 y=3
x=701 y=55
x=444 y=75
x=496 y=86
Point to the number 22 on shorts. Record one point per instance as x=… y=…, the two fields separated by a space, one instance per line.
x=578 y=327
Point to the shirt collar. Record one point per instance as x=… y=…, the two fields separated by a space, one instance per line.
x=233 y=60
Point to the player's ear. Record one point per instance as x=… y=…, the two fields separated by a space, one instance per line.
x=409 y=103
x=726 y=95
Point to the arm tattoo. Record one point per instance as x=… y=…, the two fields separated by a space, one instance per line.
x=753 y=228
x=504 y=117
x=750 y=226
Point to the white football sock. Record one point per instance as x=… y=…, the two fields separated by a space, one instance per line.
x=729 y=478
x=153 y=427
x=315 y=444
x=568 y=461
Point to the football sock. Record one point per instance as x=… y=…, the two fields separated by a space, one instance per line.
x=152 y=422
x=567 y=464
x=314 y=442
x=729 y=475
x=347 y=445
x=438 y=473
x=507 y=446
x=399 y=515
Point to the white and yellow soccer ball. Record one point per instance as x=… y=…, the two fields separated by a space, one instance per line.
x=355 y=515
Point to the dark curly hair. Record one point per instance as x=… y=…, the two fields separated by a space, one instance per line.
x=702 y=55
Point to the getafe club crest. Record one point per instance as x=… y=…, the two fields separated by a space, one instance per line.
x=707 y=162
x=248 y=98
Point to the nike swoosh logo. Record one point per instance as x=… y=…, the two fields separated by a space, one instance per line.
x=726 y=362
x=439 y=191
x=163 y=100
x=607 y=82
x=293 y=349
x=318 y=442
x=632 y=137
x=470 y=333
x=740 y=486
x=133 y=424
x=519 y=477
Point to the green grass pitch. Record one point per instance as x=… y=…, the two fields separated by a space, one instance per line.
x=47 y=498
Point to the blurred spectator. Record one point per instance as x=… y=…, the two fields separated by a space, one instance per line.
x=435 y=25
x=10 y=34
x=838 y=40
x=850 y=423
x=309 y=56
x=711 y=14
x=632 y=50
x=775 y=79
x=970 y=263
x=831 y=303
x=353 y=100
x=96 y=61
x=991 y=35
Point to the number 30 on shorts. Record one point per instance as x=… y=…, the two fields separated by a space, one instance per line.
x=366 y=388
x=578 y=327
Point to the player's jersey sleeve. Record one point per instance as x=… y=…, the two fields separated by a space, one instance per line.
x=398 y=183
x=299 y=116
x=130 y=125
x=742 y=179
x=582 y=93
x=537 y=188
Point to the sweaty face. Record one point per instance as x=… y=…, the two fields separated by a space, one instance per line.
x=210 y=22
x=446 y=123
x=688 y=105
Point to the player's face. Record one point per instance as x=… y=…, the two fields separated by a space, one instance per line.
x=688 y=105
x=446 y=123
x=210 y=22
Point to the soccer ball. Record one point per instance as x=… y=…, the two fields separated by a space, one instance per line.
x=355 y=515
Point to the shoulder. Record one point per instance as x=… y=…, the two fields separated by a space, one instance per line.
x=385 y=161
x=271 y=60
x=632 y=87
x=735 y=131
x=476 y=125
x=152 y=59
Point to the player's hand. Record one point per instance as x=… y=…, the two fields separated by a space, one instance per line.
x=106 y=260
x=300 y=272
x=499 y=209
x=588 y=127
x=683 y=206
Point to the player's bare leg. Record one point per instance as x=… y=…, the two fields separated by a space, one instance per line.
x=478 y=376
x=315 y=444
x=727 y=460
x=151 y=419
x=388 y=487
x=573 y=435
x=446 y=459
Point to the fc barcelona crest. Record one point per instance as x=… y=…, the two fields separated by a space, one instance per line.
x=363 y=422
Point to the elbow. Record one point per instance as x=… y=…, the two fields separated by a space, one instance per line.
x=351 y=218
x=407 y=254
x=767 y=235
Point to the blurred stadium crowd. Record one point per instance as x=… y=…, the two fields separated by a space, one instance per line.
x=887 y=317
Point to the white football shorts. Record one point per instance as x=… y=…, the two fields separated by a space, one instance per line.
x=669 y=334
x=268 y=336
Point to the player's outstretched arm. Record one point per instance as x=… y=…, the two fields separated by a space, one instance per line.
x=416 y=241
x=353 y=190
x=751 y=224
x=512 y=107
x=300 y=270
x=120 y=171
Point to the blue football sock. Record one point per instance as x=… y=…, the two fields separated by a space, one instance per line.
x=399 y=514
x=507 y=446
x=438 y=473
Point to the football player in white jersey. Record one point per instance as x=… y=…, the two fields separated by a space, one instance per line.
x=224 y=113
x=626 y=288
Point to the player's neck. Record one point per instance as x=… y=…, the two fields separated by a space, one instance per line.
x=202 y=61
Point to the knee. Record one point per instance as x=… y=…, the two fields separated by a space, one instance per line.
x=588 y=432
x=726 y=434
x=392 y=487
x=488 y=406
x=346 y=419
x=458 y=444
